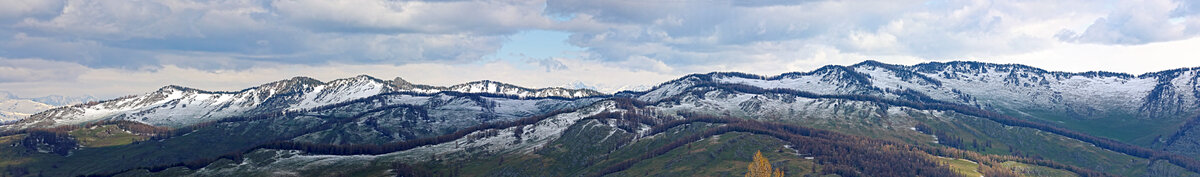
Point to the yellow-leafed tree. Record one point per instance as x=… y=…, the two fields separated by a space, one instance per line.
x=761 y=167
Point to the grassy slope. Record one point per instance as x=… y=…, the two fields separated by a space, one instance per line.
x=105 y=136
x=1037 y=143
x=962 y=166
x=1028 y=141
x=722 y=155
x=1122 y=127
x=10 y=155
x=1034 y=170
x=203 y=143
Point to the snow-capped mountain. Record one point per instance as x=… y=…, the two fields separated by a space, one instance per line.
x=607 y=88
x=1011 y=88
x=13 y=107
x=52 y=100
x=179 y=106
x=17 y=109
x=1171 y=94
x=59 y=100
x=493 y=87
x=579 y=85
x=398 y=116
x=487 y=120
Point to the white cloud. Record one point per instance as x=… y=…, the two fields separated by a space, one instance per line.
x=233 y=44
x=31 y=70
x=1139 y=22
x=117 y=20
x=480 y=17
x=1137 y=59
x=17 y=9
x=696 y=35
x=643 y=63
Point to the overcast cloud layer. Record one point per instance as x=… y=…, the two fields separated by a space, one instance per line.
x=113 y=48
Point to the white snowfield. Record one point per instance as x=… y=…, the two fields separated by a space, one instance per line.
x=1012 y=87
x=506 y=89
x=17 y=109
x=14 y=108
x=180 y=106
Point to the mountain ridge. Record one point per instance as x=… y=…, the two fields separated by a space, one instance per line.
x=868 y=77
x=290 y=94
x=1085 y=120
x=14 y=108
x=852 y=78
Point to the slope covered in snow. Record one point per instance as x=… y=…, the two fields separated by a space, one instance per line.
x=1002 y=87
x=13 y=107
x=59 y=100
x=493 y=87
x=400 y=116
x=1137 y=109
x=180 y=106
x=17 y=109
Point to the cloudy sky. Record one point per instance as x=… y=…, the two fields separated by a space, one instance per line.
x=120 y=47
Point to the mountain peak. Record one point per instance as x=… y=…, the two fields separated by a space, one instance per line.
x=486 y=82
x=358 y=79
x=365 y=77
x=59 y=100
x=871 y=63
x=489 y=86
x=174 y=87
x=294 y=81
x=578 y=85
x=401 y=82
x=299 y=79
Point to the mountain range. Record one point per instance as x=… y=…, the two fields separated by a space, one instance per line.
x=181 y=106
x=13 y=108
x=872 y=119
